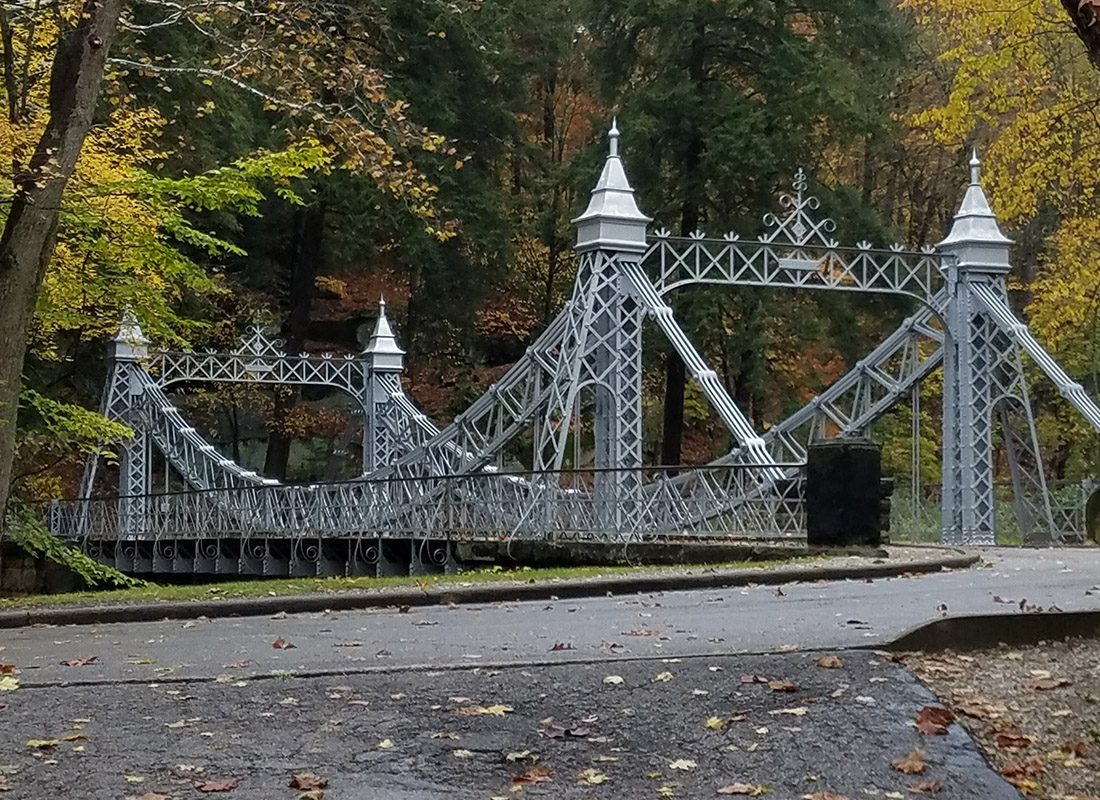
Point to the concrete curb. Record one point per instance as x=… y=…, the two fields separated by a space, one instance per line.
x=983 y=631
x=488 y=593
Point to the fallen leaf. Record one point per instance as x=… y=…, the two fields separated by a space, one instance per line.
x=385 y=744
x=1022 y=774
x=516 y=755
x=462 y=753
x=826 y=795
x=307 y=780
x=216 y=785
x=752 y=679
x=592 y=777
x=1076 y=747
x=1046 y=684
x=8 y=683
x=933 y=720
x=79 y=662
x=552 y=731
x=714 y=724
x=134 y=778
x=795 y=712
x=666 y=790
x=614 y=680
x=312 y=794
x=492 y=711
x=1011 y=737
x=663 y=677
x=747 y=789
x=42 y=744
x=980 y=708
x=782 y=686
x=927 y=786
x=559 y=646
x=283 y=644
x=533 y=775
x=445 y=735
x=829 y=662
x=605 y=760
x=683 y=764
x=911 y=764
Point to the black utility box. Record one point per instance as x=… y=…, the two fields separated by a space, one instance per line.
x=844 y=493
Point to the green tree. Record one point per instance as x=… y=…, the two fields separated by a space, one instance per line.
x=721 y=101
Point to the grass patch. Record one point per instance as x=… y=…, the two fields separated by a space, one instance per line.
x=279 y=587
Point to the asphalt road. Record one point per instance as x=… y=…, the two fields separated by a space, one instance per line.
x=672 y=729
x=385 y=704
x=673 y=624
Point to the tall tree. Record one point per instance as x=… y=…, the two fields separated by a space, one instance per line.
x=29 y=234
x=721 y=101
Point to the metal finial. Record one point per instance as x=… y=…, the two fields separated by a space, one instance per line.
x=799 y=183
x=975 y=167
x=381 y=304
x=613 y=138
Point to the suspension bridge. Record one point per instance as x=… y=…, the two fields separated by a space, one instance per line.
x=423 y=488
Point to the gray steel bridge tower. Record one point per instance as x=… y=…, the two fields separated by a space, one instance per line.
x=983 y=379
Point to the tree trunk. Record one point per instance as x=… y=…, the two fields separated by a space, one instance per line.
x=30 y=230
x=672 y=438
x=305 y=256
x=1085 y=17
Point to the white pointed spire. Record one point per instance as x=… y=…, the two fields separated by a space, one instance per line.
x=129 y=343
x=612 y=219
x=382 y=351
x=975 y=239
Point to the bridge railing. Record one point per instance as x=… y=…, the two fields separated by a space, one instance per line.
x=916 y=515
x=597 y=505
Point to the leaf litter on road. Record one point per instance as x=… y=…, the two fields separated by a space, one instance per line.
x=933 y=720
x=533 y=775
x=306 y=781
x=912 y=763
x=496 y=710
x=744 y=789
x=591 y=777
x=79 y=662
x=211 y=785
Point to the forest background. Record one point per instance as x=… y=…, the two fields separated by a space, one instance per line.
x=288 y=163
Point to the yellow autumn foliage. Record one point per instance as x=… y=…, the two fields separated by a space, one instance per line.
x=1020 y=87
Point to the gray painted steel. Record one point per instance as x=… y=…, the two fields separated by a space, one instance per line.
x=430 y=485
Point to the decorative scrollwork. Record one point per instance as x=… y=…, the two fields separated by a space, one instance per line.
x=798 y=226
x=367 y=552
x=258 y=343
